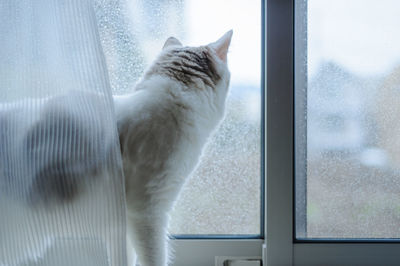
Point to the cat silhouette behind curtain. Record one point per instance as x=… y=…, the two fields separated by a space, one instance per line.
x=52 y=153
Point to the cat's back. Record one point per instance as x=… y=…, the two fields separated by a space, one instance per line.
x=145 y=118
x=155 y=128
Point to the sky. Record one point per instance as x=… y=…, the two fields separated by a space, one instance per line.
x=361 y=35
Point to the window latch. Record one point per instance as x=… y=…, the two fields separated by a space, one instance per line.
x=237 y=261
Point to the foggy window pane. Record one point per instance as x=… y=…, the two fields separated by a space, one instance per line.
x=349 y=185
x=223 y=196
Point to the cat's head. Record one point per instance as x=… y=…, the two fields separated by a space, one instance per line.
x=202 y=70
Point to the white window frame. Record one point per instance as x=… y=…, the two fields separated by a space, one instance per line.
x=282 y=85
x=203 y=252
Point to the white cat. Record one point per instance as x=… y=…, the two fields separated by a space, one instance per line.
x=163 y=127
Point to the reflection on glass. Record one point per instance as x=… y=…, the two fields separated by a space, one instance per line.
x=353 y=120
x=223 y=196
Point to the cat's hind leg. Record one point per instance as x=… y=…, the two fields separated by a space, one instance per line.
x=131 y=254
x=149 y=236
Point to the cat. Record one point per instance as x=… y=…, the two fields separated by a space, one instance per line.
x=163 y=127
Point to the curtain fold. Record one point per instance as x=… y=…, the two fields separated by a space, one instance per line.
x=61 y=182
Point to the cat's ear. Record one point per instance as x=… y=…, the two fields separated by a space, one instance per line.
x=172 y=41
x=222 y=45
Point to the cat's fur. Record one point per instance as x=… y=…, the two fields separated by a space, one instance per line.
x=163 y=127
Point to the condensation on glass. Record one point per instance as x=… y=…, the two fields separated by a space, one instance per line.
x=347 y=119
x=223 y=196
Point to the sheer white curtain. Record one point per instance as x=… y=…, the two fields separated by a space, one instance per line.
x=61 y=184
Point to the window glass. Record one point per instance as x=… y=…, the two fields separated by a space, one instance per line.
x=347 y=119
x=223 y=196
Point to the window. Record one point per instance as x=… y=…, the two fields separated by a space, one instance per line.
x=224 y=195
x=351 y=137
x=224 y=198
x=331 y=94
